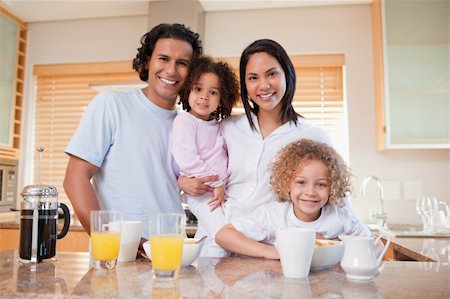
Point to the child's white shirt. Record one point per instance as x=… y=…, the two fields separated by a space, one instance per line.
x=262 y=224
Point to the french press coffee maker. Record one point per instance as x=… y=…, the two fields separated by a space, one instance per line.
x=38 y=221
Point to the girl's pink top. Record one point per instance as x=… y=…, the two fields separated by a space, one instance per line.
x=198 y=148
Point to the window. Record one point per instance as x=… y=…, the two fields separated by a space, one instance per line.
x=320 y=98
x=64 y=91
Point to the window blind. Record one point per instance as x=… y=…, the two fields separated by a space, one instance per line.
x=64 y=91
x=62 y=94
x=319 y=98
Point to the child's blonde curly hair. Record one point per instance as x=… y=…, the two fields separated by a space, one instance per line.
x=292 y=155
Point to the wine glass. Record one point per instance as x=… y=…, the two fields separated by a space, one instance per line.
x=429 y=207
x=419 y=211
x=440 y=221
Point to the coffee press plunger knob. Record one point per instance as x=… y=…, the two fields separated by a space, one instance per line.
x=40 y=149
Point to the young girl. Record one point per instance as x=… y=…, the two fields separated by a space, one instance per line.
x=210 y=92
x=311 y=182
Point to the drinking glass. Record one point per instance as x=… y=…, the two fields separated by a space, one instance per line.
x=440 y=219
x=106 y=227
x=429 y=207
x=166 y=239
x=420 y=212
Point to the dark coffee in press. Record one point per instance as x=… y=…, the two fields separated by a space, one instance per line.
x=46 y=233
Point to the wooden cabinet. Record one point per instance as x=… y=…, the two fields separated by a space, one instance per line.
x=9 y=239
x=74 y=241
x=13 y=38
x=412 y=73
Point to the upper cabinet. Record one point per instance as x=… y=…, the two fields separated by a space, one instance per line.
x=412 y=63
x=13 y=39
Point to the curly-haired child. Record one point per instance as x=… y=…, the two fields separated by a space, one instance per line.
x=311 y=181
x=208 y=95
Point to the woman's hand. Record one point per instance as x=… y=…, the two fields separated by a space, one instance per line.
x=194 y=186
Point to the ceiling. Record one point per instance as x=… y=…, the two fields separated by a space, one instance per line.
x=41 y=11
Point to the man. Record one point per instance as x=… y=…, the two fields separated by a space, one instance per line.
x=123 y=141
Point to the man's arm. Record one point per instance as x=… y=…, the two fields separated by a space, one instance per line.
x=79 y=189
x=231 y=239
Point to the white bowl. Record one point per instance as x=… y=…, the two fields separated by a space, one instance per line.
x=191 y=251
x=327 y=255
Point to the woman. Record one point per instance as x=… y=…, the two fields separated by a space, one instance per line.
x=267 y=80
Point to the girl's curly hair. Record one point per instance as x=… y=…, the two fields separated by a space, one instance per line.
x=148 y=42
x=296 y=153
x=229 y=84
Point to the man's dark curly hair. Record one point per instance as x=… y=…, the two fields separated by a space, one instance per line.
x=229 y=84
x=148 y=42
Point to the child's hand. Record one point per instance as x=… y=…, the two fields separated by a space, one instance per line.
x=270 y=252
x=320 y=237
x=218 y=199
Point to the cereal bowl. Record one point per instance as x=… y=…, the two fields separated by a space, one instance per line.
x=191 y=251
x=327 y=253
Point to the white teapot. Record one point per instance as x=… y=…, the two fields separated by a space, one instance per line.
x=360 y=260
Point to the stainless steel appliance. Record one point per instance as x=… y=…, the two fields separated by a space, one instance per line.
x=8 y=184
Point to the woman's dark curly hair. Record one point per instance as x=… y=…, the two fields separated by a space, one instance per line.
x=294 y=154
x=229 y=85
x=148 y=42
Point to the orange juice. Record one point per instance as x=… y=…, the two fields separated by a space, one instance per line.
x=166 y=252
x=105 y=245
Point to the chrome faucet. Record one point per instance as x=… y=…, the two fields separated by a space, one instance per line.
x=381 y=216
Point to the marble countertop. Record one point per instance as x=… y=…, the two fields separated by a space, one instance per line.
x=420 y=248
x=70 y=277
x=423 y=249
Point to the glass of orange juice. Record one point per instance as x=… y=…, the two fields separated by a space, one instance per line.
x=166 y=239
x=105 y=238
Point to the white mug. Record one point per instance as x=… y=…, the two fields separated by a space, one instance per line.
x=129 y=240
x=360 y=260
x=296 y=248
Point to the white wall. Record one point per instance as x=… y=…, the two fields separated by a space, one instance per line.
x=91 y=40
x=307 y=30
